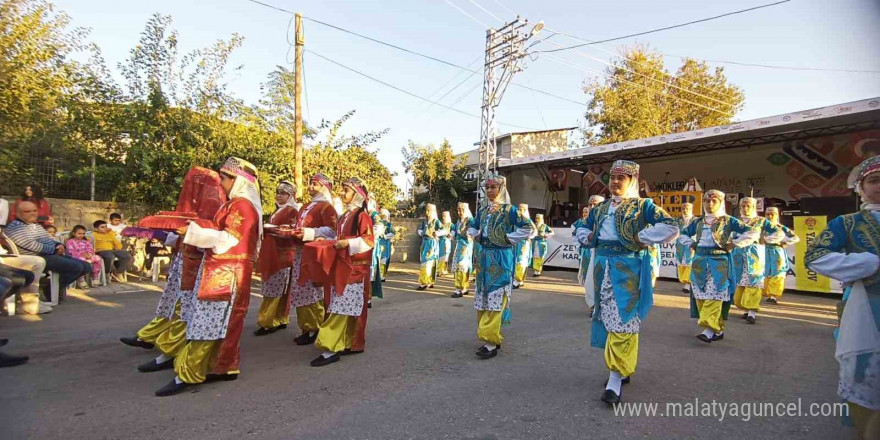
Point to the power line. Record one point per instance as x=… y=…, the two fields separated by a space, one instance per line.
x=353 y=70
x=412 y=52
x=667 y=83
x=486 y=11
x=666 y=28
x=768 y=66
x=736 y=63
x=587 y=69
x=475 y=19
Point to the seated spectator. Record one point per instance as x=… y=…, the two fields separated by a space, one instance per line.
x=50 y=229
x=31 y=239
x=30 y=297
x=7 y=288
x=116 y=224
x=155 y=248
x=18 y=279
x=79 y=247
x=34 y=194
x=108 y=246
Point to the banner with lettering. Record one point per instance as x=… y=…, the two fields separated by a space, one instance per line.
x=671 y=201
x=808 y=229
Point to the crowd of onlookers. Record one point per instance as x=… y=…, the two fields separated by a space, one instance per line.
x=31 y=246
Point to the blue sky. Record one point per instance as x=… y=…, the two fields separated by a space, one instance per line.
x=806 y=33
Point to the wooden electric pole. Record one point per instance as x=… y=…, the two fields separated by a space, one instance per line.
x=297 y=108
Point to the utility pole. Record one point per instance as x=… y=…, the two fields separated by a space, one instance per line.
x=297 y=109
x=505 y=48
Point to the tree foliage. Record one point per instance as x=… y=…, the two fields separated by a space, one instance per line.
x=640 y=99
x=172 y=111
x=438 y=177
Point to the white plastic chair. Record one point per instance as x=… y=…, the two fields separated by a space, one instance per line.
x=157 y=266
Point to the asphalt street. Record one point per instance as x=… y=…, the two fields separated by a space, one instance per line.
x=419 y=377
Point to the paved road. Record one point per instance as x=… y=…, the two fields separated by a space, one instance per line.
x=419 y=377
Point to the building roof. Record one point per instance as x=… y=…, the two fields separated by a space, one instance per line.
x=825 y=121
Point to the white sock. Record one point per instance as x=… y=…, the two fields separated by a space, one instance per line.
x=162 y=358
x=312 y=334
x=489 y=346
x=327 y=354
x=708 y=332
x=753 y=313
x=614 y=382
x=177 y=380
x=719 y=334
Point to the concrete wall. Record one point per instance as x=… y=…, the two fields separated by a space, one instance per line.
x=410 y=244
x=68 y=213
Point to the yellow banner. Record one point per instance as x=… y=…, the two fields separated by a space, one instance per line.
x=808 y=229
x=671 y=201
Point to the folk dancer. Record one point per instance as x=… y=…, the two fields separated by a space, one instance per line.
x=621 y=229
x=463 y=258
x=213 y=331
x=499 y=227
x=378 y=233
x=385 y=243
x=430 y=230
x=275 y=263
x=684 y=255
x=445 y=244
x=748 y=261
x=847 y=250
x=776 y=264
x=712 y=276
x=317 y=221
x=523 y=251
x=540 y=244
x=585 y=250
x=346 y=321
x=203 y=195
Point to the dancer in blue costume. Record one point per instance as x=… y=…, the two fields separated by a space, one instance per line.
x=523 y=252
x=430 y=231
x=712 y=275
x=539 y=243
x=776 y=265
x=385 y=243
x=444 y=244
x=621 y=229
x=748 y=261
x=498 y=227
x=585 y=250
x=684 y=255
x=847 y=250
x=375 y=265
x=463 y=258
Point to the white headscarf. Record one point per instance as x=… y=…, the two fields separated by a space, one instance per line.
x=692 y=210
x=722 y=210
x=597 y=199
x=446 y=218
x=523 y=210
x=385 y=214
x=289 y=188
x=338 y=205
x=772 y=209
x=245 y=184
x=324 y=194
x=631 y=169
x=503 y=196
x=539 y=218
x=745 y=200
x=431 y=212
x=869 y=166
x=466 y=211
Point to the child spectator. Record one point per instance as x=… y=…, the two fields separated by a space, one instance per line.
x=116 y=224
x=51 y=230
x=155 y=248
x=79 y=247
x=108 y=246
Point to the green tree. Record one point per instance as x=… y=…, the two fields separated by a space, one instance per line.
x=639 y=98
x=438 y=177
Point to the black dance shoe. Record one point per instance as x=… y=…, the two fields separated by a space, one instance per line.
x=320 y=361
x=172 y=388
x=151 y=366
x=704 y=338
x=305 y=338
x=485 y=353
x=135 y=342
x=610 y=397
x=260 y=331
